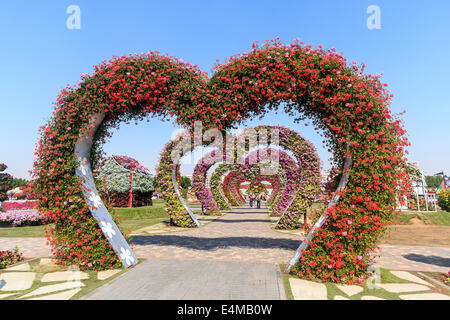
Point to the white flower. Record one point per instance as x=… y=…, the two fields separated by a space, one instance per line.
x=84 y=167
x=95 y=199
x=126 y=255
x=107 y=229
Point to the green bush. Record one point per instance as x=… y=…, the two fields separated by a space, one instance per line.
x=5 y=182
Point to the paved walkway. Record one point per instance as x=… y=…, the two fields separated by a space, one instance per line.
x=414 y=258
x=245 y=235
x=30 y=247
x=195 y=280
x=241 y=235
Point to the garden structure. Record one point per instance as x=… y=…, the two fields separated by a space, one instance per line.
x=125 y=182
x=263 y=135
x=349 y=107
x=257 y=189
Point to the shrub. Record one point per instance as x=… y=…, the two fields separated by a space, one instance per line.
x=444 y=200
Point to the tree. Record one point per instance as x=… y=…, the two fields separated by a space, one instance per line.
x=5 y=182
x=186 y=182
x=18 y=182
x=433 y=181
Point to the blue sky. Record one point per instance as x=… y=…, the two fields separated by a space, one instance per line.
x=40 y=56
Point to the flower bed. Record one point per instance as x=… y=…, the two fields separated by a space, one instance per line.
x=17 y=218
x=20 y=205
x=9 y=257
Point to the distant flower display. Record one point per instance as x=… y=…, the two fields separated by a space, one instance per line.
x=19 y=218
x=19 y=204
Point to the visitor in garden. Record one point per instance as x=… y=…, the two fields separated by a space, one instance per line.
x=258 y=201
x=251 y=201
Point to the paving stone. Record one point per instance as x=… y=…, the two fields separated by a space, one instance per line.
x=340 y=298
x=371 y=298
x=65 y=276
x=194 y=280
x=307 y=290
x=20 y=267
x=66 y=295
x=54 y=288
x=16 y=281
x=102 y=275
x=425 y=296
x=402 y=287
x=409 y=277
x=350 y=290
x=47 y=261
x=6 y=295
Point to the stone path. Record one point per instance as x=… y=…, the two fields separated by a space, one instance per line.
x=194 y=280
x=241 y=235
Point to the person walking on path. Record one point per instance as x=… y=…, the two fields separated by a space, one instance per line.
x=251 y=201
x=258 y=201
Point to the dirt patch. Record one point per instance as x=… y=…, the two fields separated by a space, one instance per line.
x=417 y=222
x=419 y=235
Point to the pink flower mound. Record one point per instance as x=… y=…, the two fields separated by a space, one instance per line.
x=131 y=164
x=22 y=217
x=20 y=205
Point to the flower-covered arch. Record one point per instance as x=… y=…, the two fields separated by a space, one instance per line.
x=351 y=108
x=225 y=201
x=299 y=190
x=203 y=193
x=275 y=183
x=264 y=135
x=229 y=187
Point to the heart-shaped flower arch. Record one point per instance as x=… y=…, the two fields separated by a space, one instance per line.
x=218 y=186
x=265 y=135
x=348 y=106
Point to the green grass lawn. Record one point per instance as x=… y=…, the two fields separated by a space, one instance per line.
x=19 y=232
x=437 y=218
